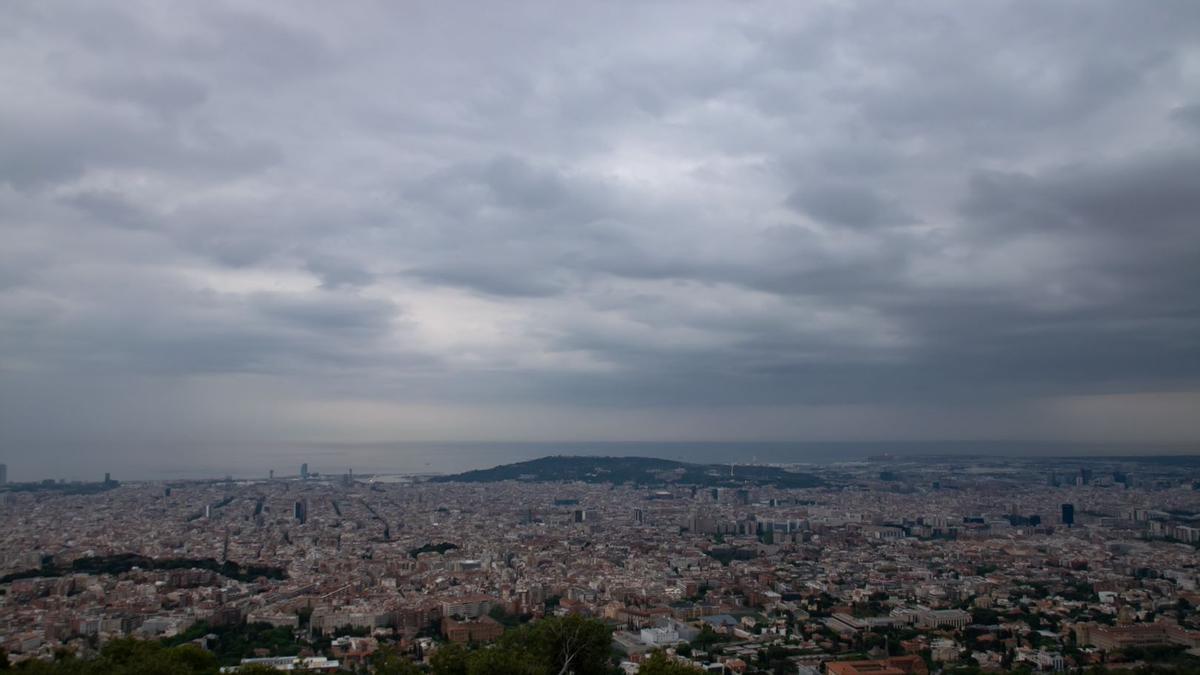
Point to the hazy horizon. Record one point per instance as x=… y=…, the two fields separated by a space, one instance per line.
x=250 y=461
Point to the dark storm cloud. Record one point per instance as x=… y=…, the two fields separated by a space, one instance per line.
x=601 y=206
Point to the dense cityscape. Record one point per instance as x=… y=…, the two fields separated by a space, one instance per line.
x=888 y=565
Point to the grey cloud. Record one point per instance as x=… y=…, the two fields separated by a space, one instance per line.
x=637 y=206
x=109 y=209
x=493 y=279
x=163 y=94
x=847 y=205
x=339 y=272
x=1147 y=195
x=43 y=149
x=257 y=46
x=536 y=195
x=151 y=325
x=330 y=314
x=1188 y=115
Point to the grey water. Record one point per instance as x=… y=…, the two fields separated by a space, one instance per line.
x=251 y=461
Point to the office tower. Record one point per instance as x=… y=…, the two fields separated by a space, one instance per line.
x=167 y=492
x=580 y=515
x=271 y=474
x=3 y=474
x=300 y=511
x=638 y=516
x=1068 y=514
x=208 y=511
x=743 y=497
x=304 y=471
x=107 y=478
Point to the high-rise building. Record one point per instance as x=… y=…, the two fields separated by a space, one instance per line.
x=580 y=515
x=300 y=510
x=1068 y=514
x=271 y=474
x=304 y=471
x=3 y=474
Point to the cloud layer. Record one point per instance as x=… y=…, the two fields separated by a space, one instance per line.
x=606 y=220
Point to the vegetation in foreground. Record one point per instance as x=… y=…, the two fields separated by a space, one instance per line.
x=547 y=647
x=553 y=646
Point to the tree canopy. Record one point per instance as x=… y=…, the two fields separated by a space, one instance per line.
x=552 y=646
x=659 y=664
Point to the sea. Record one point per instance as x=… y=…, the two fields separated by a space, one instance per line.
x=244 y=461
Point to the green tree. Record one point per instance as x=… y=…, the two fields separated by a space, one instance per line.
x=257 y=669
x=503 y=661
x=129 y=657
x=659 y=664
x=449 y=659
x=388 y=661
x=571 y=644
x=707 y=638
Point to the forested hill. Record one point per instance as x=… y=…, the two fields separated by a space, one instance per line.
x=637 y=470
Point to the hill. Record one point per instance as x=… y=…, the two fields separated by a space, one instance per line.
x=636 y=470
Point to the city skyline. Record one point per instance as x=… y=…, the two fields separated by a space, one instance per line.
x=904 y=566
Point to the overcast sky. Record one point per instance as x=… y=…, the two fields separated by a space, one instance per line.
x=227 y=222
